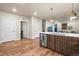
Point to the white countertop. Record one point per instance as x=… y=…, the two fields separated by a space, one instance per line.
x=62 y=34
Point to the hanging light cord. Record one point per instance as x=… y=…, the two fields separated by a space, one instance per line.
x=51 y=12
x=73 y=10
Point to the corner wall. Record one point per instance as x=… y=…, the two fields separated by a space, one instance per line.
x=35 y=27
x=10 y=26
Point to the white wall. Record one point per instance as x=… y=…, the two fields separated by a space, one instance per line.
x=10 y=26
x=36 y=26
x=77 y=26
x=30 y=27
x=74 y=24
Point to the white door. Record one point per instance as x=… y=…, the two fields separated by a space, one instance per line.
x=24 y=29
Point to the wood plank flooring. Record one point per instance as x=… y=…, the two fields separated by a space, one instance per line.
x=25 y=47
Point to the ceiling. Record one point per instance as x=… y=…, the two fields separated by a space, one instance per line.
x=60 y=10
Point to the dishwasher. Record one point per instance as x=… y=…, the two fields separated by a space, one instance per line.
x=43 y=40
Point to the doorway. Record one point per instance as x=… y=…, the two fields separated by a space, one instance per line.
x=23 y=30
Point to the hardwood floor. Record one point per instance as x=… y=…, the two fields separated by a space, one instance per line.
x=25 y=47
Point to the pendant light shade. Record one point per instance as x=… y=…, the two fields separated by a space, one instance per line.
x=73 y=14
x=51 y=21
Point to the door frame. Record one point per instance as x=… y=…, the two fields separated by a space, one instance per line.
x=21 y=25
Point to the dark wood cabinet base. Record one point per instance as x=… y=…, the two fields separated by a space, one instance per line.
x=67 y=46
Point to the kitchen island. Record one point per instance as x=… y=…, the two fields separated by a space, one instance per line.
x=64 y=43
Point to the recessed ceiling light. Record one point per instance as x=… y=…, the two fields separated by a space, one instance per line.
x=35 y=13
x=14 y=9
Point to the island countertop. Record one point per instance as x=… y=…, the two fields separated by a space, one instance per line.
x=62 y=34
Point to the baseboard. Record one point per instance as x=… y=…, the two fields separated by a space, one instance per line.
x=35 y=38
x=9 y=41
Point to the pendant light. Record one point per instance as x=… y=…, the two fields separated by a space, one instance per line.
x=73 y=14
x=51 y=20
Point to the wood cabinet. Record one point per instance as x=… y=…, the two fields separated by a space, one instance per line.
x=56 y=43
x=49 y=39
x=63 y=44
x=69 y=45
x=72 y=46
x=60 y=45
x=50 y=42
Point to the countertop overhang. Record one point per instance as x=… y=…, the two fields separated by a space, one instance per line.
x=62 y=34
